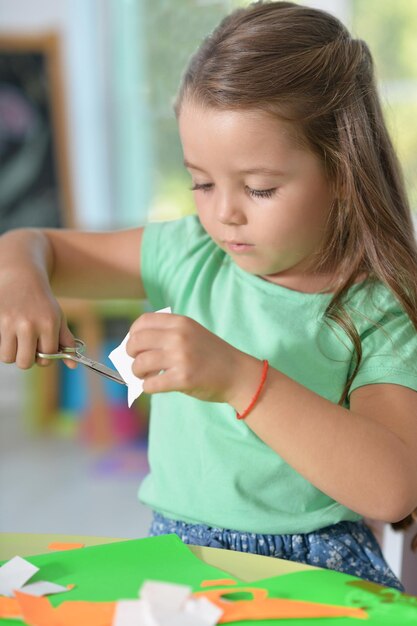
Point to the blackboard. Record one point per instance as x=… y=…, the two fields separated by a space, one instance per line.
x=35 y=189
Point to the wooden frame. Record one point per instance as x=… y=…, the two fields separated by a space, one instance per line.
x=31 y=67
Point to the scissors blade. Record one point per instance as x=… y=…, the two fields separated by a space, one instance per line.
x=100 y=368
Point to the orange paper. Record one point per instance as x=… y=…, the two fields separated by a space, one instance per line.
x=9 y=607
x=57 y=545
x=221 y=582
x=83 y=613
x=39 y=612
x=263 y=607
x=36 y=611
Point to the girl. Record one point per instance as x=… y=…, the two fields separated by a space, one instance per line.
x=285 y=405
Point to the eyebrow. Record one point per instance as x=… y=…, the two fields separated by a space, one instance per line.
x=252 y=170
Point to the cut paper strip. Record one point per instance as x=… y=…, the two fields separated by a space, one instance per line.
x=58 y=546
x=44 y=588
x=123 y=363
x=39 y=612
x=167 y=604
x=222 y=582
x=262 y=607
x=14 y=574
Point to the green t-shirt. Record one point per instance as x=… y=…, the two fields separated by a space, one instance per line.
x=208 y=467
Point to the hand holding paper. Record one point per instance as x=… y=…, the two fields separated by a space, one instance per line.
x=176 y=353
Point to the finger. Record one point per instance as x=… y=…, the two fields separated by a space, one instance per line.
x=8 y=348
x=150 y=363
x=146 y=339
x=48 y=343
x=26 y=348
x=159 y=383
x=157 y=320
x=66 y=338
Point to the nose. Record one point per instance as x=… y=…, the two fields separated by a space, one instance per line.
x=228 y=210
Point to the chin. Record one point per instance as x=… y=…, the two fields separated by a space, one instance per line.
x=254 y=268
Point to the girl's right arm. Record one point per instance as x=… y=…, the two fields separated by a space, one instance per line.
x=36 y=264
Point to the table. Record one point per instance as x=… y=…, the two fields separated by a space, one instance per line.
x=247 y=567
x=109 y=572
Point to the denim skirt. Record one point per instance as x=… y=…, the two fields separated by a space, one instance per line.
x=348 y=547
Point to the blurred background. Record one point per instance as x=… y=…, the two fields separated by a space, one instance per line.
x=88 y=139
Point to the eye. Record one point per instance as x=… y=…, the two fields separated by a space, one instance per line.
x=201 y=187
x=261 y=193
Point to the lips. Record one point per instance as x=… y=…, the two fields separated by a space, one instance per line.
x=238 y=246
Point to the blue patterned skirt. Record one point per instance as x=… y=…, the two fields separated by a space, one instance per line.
x=348 y=547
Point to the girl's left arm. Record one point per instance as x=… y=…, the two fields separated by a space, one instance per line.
x=365 y=457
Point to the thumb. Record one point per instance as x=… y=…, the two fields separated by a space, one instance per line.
x=66 y=338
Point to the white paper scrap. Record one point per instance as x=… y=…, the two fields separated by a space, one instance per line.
x=131 y=613
x=14 y=574
x=167 y=596
x=123 y=363
x=43 y=588
x=153 y=614
x=183 y=619
x=204 y=609
x=167 y=604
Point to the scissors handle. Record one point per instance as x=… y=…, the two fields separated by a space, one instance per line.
x=65 y=352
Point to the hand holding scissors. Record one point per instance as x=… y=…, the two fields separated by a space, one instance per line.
x=76 y=354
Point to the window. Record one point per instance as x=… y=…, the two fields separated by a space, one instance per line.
x=155 y=40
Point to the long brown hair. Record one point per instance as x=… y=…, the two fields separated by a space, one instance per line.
x=302 y=65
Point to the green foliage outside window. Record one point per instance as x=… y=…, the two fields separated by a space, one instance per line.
x=174 y=31
x=390 y=30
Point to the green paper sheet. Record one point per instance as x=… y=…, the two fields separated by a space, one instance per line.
x=116 y=571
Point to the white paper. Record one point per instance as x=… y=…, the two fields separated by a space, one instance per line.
x=170 y=597
x=167 y=604
x=14 y=574
x=131 y=613
x=43 y=588
x=183 y=619
x=17 y=571
x=123 y=363
x=206 y=610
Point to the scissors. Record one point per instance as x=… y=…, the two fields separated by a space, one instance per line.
x=76 y=354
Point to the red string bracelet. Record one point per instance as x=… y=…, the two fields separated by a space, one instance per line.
x=257 y=394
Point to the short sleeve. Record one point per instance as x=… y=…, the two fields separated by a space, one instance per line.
x=389 y=352
x=170 y=255
x=149 y=263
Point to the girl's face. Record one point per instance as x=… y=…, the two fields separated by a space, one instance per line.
x=260 y=196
